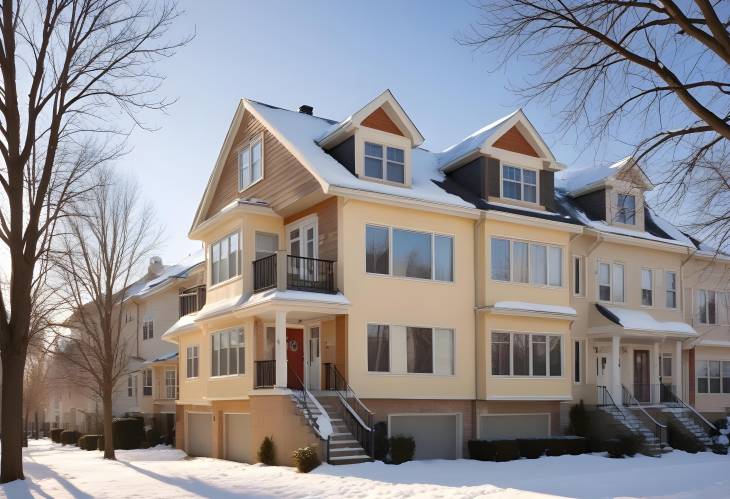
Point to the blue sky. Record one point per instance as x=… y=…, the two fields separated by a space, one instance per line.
x=335 y=56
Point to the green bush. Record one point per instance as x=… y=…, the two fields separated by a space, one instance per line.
x=89 y=442
x=680 y=439
x=532 y=448
x=495 y=450
x=153 y=437
x=402 y=448
x=56 y=435
x=580 y=420
x=128 y=433
x=306 y=459
x=380 y=441
x=624 y=445
x=70 y=437
x=267 y=453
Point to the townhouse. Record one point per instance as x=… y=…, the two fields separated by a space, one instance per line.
x=355 y=280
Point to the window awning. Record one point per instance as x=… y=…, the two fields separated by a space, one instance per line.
x=641 y=321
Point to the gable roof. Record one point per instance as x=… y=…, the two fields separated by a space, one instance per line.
x=578 y=181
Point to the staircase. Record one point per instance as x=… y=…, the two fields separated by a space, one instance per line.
x=683 y=416
x=344 y=448
x=626 y=421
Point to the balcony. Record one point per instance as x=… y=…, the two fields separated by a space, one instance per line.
x=191 y=300
x=301 y=274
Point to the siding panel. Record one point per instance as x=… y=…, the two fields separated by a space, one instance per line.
x=514 y=141
x=379 y=120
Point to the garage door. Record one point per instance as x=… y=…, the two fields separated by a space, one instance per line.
x=495 y=426
x=238 y=437
x=200 y=434
x=436 y=436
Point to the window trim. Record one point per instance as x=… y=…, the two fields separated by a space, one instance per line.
x=610 y=279
x=384 y=162
x=432 y=235
x=530 y=244
x=667 y=290
x=239 y=252
x=652 y=289
x=529 y=355
x=243 y=345
x=522 y=184
x=145 y=371
x=620 y=211
x=195 y=349
x=257 y=138
x=579 y=276
x=147 y=332
x=580 y=355
x=707 y=306
x=708 y=378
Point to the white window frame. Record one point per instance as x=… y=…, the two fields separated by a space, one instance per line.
x=391 y=344
x=148 y=329
x=578 y=274
x=147 y=373
x=621 y=212
x=547 y=374
x=612 y=287
x=580 y=355
x=521 y=182
x=651 y=289
x=238 y=258
x=667 y=290
x=228 y=332
x=664 y=357
x=431 y=234
x=723 y=390
x=244 y=184
x=384 y=162
x=192 y=355
x=131 y=386
x=512 y=260
x=171 y=388
x=707 y=307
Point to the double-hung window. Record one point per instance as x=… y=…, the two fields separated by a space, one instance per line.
x=148 y=329
x=670 y=288
x=713 y=376
x=611 y=282
x=578 y=283
x=667 y=365
x=410 y=350
x=224 y=259
x=170 y=383
x=706 y=306
x=228 y=353
x=526 y=354
x=647 y=287
x=147 y=382
x=522 y=262
x=408 y=253
x=192 y=361
x=250 y=163
x=384 y=162
x=626 y=209
x=131 y=386
x=378 y=348
x=578 y=361
x=519 y=183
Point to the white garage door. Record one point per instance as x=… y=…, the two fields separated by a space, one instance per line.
x=238 y=437
x=200 y=434
x=436 y=436
x=493 y=426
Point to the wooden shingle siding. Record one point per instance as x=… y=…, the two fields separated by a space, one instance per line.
x=285 y=178
x=514 y=141
x=379 y=120
x=326 y=212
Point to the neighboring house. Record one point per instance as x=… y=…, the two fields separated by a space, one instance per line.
x=355 y=278
x=151 y=305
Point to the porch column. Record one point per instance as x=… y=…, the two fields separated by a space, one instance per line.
x=280 y=349
x=656 y=370
x=616 y=370
x=677 y=368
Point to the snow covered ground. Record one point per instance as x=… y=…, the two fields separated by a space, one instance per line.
x=53 y=471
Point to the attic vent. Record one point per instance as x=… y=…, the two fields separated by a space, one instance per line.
x=305 y=109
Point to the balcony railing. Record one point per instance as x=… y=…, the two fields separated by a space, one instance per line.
x=192 y=300
x=302 y=274
x=265 y=373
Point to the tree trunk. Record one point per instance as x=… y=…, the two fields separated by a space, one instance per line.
x=36 y=433
x=108 y=427
x=11 y=455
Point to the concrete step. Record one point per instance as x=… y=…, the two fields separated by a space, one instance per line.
x=347 y=450
x=349 y=460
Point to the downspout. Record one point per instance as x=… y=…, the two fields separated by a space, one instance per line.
x=478 y=249
x=136 y=329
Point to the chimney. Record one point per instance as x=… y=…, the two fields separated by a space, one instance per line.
x=305 y=109
x=155 y=267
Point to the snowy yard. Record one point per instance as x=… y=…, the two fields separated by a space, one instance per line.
x=55 y=471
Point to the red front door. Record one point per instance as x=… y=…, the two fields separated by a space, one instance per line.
x=295 y=357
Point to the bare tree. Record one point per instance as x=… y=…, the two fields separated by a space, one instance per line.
x=653 y=74
x=103 y=246
x=72 y=74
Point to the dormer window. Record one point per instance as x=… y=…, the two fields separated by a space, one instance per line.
x=384 y=162
x=250 y=164
x=519 y=184
x=626 y=213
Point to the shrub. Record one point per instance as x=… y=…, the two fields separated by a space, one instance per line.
x=100 y=443
x=719 y=449
x=56 y=435
x=89 y=442
x=153 y=437
x=681 y=440
x=402 y=448
x=532 y=448
x=380 y=441
x=494 y=450
x=128 y=433
x=267 y=454
x=70 y=437
x=306 y=459
x=624 y=445
x=580 y=420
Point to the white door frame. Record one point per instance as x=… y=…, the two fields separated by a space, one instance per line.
x=303 y=224
x=307 y=352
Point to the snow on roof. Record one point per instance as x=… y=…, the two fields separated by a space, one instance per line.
x=163 y=358
x=577 y=179
x=471 y=143
x=670 y=229
x=638 y=320
x=169 y=272
x=299 y=133
x=184 y=323
x=542 y=308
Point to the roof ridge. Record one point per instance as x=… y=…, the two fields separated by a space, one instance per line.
x=271 y=106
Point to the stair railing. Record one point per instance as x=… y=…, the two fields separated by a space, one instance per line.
x=670 y=395
x=357 y=417
x=660 y=430
x=302 y=396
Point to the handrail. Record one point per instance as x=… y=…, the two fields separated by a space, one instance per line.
x=659 y=429
x=340 y=380
x=361 y=425
x=690 y=408
x=303 y=400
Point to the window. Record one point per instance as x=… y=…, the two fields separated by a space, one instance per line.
x=610 y=282
x=726 y=377
x=224 y=258
x=228 y=353
x=532 y=263
x=666 y=365
x=713 y=376
x=647 y=287
x=706 y=306
x=148 y=329
x=131 y=386
x=378 y=348
x=395 y=162
x=171 y=383
x=670 y=287
x=192 y=361
x=578 y=275
x=419 y=344
x=266 y=244
x=519 y=184
x=626 y=209
x=525 y=354
x=407 y=253
x=577 y=362
x=250 y=164
x=147 y=382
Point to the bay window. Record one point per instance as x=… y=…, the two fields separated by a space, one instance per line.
x=713 y=376
x=227 y=353
x=224 y=259
x=384 y=162
x=526 y=354
x=523 y=262
x=519 y=183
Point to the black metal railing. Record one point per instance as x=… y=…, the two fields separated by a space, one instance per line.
x=653 y=393
x=191 y=300
x=305 y=401
x=659 y=430
x=604 y=398
x=265 y=373
x=674 y=400
x=264 y=273
x=357 y=417
x=310 y=274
